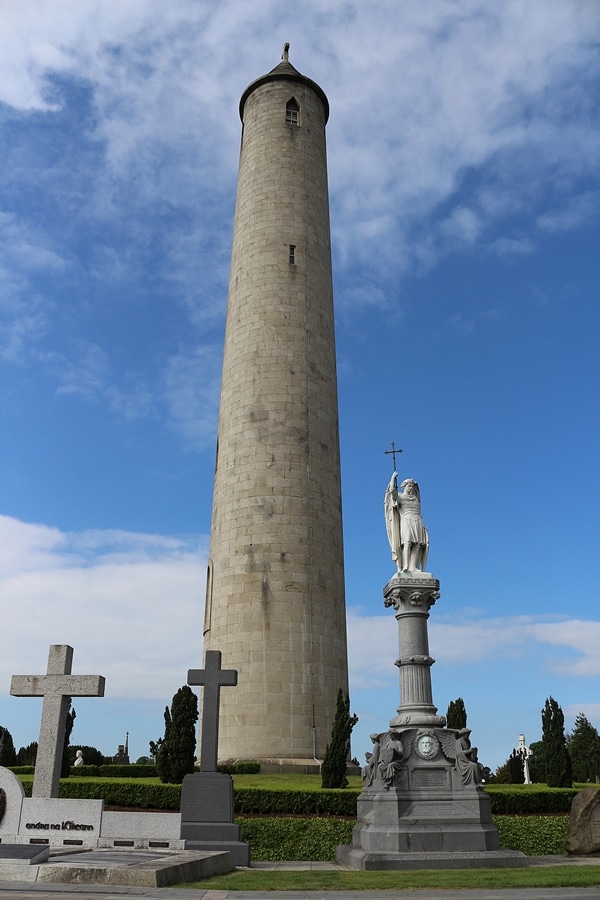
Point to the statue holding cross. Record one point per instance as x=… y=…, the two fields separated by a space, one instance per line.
x=57 y=686
x=408 y=536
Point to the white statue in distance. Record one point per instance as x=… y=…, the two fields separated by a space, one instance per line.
x=408 y=537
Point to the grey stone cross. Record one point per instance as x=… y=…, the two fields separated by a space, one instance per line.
x=57 y=686
x=212 y=678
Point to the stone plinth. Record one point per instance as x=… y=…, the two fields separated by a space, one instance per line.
x=207 y=821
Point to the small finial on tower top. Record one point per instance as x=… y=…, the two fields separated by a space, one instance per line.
x=286 y=51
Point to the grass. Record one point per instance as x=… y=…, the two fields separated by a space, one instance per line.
x=447 y=879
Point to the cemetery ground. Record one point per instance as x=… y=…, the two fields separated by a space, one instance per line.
x=289 y=817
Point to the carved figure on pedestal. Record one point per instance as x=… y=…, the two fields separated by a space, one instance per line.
x=457 y=748
x=386 y=762
x=408 y=537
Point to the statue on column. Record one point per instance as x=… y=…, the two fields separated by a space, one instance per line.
x=408 y=537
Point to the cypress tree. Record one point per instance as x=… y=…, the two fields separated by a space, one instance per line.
x=27 y=755
x=456 y=717
x=558 y=761
x=8 y=754
x=333 y=770
x=583 y=745
x=177 y=753
x=163 y=757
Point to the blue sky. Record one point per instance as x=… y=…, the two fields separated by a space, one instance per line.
x=464 y=164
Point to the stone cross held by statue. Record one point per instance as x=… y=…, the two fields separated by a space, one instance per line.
x=212 y=678
x=393 y=451
x=57 y=687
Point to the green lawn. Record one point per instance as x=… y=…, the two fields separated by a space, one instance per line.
x=448 y=879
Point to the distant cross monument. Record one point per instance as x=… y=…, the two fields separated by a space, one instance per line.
x=212 y=678
x=57 y=687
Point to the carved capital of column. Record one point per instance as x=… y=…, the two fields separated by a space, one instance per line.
x=408 y=592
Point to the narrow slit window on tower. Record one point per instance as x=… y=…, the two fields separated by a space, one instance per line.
x=292 y=111
x=292 y=255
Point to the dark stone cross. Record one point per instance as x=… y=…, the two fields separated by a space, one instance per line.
x=57 y=687
x=393 y=451
x=212 y=678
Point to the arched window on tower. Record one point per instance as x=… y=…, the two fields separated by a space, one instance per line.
x=292 y=112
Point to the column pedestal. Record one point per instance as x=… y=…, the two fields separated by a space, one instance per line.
x=422 y=805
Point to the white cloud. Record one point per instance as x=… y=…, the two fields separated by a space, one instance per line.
x=130 y=604
x=579 y=210
x=373 y=644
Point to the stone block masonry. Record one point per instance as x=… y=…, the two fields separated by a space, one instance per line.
x=275 y=602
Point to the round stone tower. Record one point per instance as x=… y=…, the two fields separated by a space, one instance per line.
x=275 y=592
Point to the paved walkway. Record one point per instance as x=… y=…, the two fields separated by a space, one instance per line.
x=102 y=892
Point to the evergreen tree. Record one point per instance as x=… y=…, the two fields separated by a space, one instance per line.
x=537 y=762
x=176 y=754
x=515 y=767
x=65 y=768
x=456 y=717
x=27 y=756
x=163 y=758
x=91 y=755
x=558 y=761
x=583 y=745
x=333 y=770
x=8 y=754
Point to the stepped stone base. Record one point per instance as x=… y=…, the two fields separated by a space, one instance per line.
x=372 y=861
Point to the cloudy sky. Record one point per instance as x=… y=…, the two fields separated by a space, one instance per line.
x=464 y=163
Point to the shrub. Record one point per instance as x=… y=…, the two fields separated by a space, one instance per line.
x=533 y=835
x=316 y=839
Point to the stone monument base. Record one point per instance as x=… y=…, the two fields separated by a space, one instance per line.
x=207 y=816
x=423 y=805
x=372 y=861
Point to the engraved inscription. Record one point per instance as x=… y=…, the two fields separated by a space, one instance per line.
x=435 y=810
x=429 y=778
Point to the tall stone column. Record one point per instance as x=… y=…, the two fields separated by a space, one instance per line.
x=422 y=805
x=275 y=603
x=412 y=595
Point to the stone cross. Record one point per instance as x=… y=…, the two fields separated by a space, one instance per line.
x=57 y=687
x=212 y=678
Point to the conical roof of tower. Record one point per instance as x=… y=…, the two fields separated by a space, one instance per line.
x=287 y=72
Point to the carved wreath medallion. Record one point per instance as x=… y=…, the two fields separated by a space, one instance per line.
x=427 y=745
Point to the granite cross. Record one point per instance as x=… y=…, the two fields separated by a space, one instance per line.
x=57 y=687
x=212 y=678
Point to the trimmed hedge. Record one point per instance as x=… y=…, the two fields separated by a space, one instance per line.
x=533 y=835
x=107 y=771
x=317 y=839
x=534 y=799
x=505 y=800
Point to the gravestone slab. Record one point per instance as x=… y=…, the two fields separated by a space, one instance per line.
x=24 y=854
x=207 y=816
x=14 y=795
x=61 y=822
x=583 y=838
